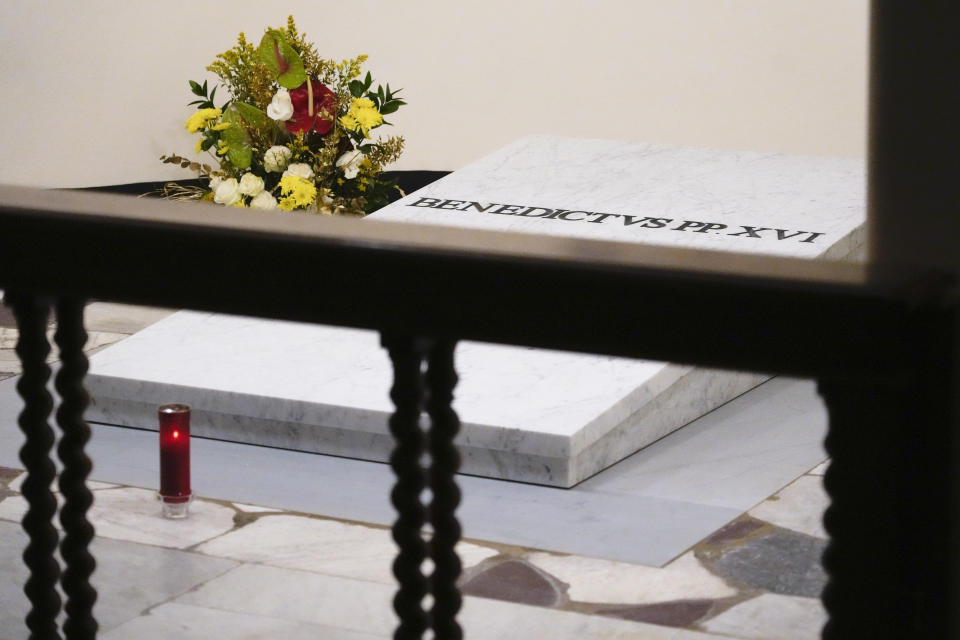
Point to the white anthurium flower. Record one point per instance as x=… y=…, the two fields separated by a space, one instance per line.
x=227 y=192
x=275 y=158
x=301 y=169
x=350 y=163
x=263 y=200
x=251 y=185
x=281 y=107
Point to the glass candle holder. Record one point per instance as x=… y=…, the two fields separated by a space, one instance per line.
x=175 y=493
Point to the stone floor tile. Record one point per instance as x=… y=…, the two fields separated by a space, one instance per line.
x=679 y=613
x=8 y=475
x=6 y=315
x=99 y=340
x=129 y=578
x=780 y=561
x=252 y=508
x=595 y=580
x=735 y=532
x=513 y=581
x=10 y=362
x=771 y=617
x=186 y=622
x=121 y=318
x=93 y=485
x=13 y=507
x=484 y=619
x=134 y=514
x=300 y=596
x=17 y=482
x=820 y=469
x=799 y=507
x=366 y=607
x=324 y=546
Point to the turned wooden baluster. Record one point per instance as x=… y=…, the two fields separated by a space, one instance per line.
x=78 y=532
x=410 y=398
x=407 y=392
x=32 y=314
x=445 y=461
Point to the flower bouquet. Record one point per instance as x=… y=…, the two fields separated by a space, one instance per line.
x=295 y=132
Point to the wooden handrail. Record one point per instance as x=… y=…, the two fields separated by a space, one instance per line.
x=777 y=314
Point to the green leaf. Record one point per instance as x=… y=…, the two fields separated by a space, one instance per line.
x=356 y=88
x=239 y=151
x=190 y=104
x=367 y=148
x=206 y=144
x=285 y=63
x=252 y=117
x=197 y=90
x=367 y=81
x=390 y=107
x=213 y=94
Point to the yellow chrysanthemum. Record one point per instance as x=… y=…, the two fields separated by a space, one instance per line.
x=300 y=191
x=199 y=146
x=361 y=116
x=221 y=126
x=200 y=118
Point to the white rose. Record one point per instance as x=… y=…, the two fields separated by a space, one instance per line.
x=227 y=192
x=350 y=163
x=301 y=169
x=215 y=182
x=251 y=185
x=276 y=158
x=263 y=200
x=280 y=108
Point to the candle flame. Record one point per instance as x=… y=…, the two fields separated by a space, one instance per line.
x=176 y=434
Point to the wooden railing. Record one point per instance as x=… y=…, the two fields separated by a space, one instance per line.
x=884 y=359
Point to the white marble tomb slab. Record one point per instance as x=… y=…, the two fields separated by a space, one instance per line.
x=530 y=415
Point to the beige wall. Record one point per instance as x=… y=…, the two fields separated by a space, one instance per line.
x=94 y=91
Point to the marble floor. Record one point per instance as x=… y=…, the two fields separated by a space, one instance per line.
x=304 y=551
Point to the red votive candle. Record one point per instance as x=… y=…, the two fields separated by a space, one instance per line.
x=175 y=491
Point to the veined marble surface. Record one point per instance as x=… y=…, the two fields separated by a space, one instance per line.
x=800 y=206
x=532 y=415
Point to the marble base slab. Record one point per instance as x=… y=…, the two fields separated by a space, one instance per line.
x=530 y=415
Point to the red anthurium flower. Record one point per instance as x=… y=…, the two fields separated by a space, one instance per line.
x=314 y=108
